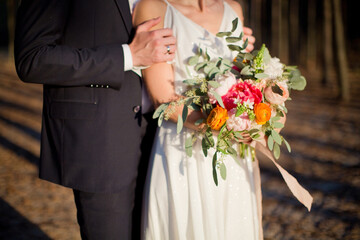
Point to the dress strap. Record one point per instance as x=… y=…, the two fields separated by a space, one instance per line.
x=167 y=2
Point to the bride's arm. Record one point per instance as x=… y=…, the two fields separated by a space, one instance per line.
x=159 y=78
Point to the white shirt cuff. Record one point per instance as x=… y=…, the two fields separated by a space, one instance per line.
x=128 y=61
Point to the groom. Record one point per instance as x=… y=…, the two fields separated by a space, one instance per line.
x=82 y=52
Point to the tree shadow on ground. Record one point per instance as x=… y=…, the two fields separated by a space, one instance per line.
x=15 y=226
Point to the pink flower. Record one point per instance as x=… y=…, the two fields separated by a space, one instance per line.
x=243 y=91
x=226 y=81
x=260 y=84
x=239 y=123
x=275 y=98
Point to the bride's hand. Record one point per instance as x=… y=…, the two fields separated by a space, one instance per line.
x=251 y=39
x=246 y=138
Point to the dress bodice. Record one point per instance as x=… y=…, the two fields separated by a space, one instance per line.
x=190 y=36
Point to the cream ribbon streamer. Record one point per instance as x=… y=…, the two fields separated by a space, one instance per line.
x=299 y=192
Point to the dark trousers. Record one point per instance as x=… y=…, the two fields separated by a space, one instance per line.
x=105 y=216
x=117 y=215
x=149 y=130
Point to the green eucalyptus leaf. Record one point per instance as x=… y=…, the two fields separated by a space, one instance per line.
x=232 y=39
x=241 y=35
x=246 y=71
x=223 y=171
x=246 y=43
x=270 y=142
x=276 y=136
x=180 y=124
x=275 y=119
x=223 y=34
x=278 y=125
x=256 y=136
x=248 y=56
x=207 y=56
x=285 y=109
x=200 y=66
x=160 y=110
x=253 y=131
x=188 y=146
x=218 y=98
x=209 y=66
x=190 y=82
x=226 y=62
x=214 y=161
x=213 y=72
x=193 y=60
x=234 y=24
x=184 y=113
x=261 y=75
x=205 y=146
x=160 y=119
x=235 y=47
x=276 y=151
x=298 y=83
x=287 y=145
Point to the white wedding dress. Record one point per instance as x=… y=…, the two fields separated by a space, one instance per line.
x=181 y=198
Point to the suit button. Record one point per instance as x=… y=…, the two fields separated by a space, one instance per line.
x=92 y=85
x=136 y=109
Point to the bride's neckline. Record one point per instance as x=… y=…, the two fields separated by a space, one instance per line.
x=198 y=25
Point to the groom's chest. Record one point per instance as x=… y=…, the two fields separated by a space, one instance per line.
x=98 y=22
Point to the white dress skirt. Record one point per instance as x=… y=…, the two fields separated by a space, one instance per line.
x=181 y=198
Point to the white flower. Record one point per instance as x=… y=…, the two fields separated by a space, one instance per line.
x=249 y=104
x=239 y=123
x=274 y=68
x=226 y=81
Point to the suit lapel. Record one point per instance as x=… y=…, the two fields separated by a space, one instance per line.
x=123 y=7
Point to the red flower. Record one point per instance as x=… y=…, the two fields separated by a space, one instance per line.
x=243 y=91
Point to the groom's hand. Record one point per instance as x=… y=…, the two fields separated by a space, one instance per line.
x=251 y=39
x=149 y=47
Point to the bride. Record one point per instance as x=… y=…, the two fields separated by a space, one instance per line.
x=181 y=199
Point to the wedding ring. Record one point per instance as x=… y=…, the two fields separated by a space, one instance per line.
x=168 y=49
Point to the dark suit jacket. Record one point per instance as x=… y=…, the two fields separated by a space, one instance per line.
x=90 y=133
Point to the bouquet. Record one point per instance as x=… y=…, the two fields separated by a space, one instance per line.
x=245 y=96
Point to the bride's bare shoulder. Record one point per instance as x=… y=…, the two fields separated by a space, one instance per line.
x=237 y=8
x=148 y=9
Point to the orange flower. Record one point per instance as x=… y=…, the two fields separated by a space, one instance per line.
x=217 y=118
x=262 y=113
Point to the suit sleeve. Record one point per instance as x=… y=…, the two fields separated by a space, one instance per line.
x=40 y=57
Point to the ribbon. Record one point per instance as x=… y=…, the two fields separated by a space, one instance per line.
x=301 y=194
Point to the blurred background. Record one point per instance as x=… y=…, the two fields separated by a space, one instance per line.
x=322 y=37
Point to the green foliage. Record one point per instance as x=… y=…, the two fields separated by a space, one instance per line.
x=234 y=24
x=188 y=146
x=222 y=170
x=180 y=124
x=214 y=163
